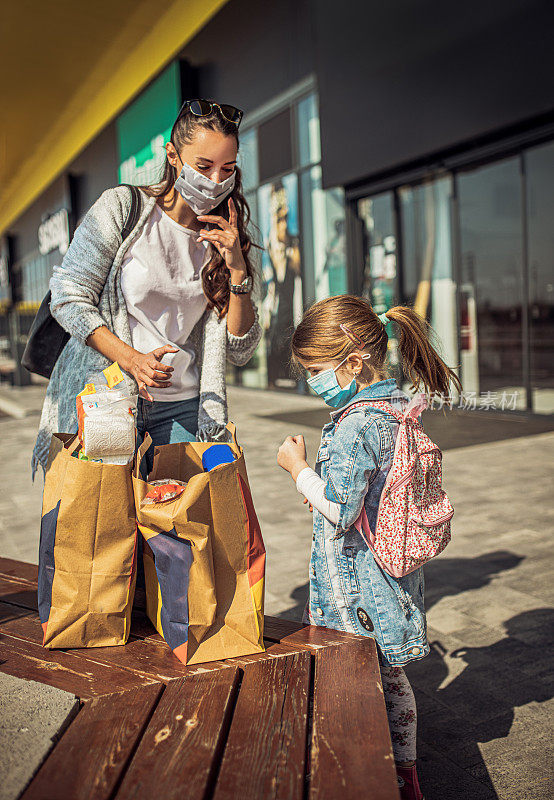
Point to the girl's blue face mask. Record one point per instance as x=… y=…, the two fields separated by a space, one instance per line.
x=326 y=385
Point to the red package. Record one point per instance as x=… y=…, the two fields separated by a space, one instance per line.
x=163 y=491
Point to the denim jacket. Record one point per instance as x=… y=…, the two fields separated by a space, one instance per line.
x=348 y=590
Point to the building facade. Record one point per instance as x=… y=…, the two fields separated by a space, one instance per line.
x=404 y=153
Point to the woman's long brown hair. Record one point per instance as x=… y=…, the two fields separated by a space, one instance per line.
x=319 y=338
x=215 y=275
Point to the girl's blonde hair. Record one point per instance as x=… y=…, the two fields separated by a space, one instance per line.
x=319 y=338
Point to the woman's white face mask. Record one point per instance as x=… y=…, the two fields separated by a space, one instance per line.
x=200 y=192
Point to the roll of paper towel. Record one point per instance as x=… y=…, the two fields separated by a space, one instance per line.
x=106 y=434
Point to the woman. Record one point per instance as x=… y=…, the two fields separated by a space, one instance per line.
x=171 y=301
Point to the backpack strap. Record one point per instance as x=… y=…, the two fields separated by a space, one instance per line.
x=412 y=411
x=379 y=405
x=134 y=211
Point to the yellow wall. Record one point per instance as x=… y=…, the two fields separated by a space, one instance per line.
x=68 y=68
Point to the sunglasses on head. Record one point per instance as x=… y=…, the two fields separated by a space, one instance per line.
x=203 y=108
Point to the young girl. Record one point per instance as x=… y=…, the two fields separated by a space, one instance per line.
x=342 y=344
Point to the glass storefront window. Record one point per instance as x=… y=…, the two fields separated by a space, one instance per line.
x=309 y=142
x=324 y=238
x=300 y=227
x=539 y=171
x=427 y=280
x=275 y=151
x=248 y=159
x=281 y=274
x=491 y=290
x=35 y=271
x=379 y=284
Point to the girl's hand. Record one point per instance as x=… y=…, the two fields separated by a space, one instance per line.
x=292 y=455
x=311 y=506
x=226 y=241
x=147 y=369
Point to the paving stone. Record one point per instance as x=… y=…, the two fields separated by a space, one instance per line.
x=32 y=715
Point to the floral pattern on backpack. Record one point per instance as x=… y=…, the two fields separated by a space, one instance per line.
x=414 y=516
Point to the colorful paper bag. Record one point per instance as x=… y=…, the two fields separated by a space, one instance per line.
x=204 y=557
x=87 y=553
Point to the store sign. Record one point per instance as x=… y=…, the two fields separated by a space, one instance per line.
x=145 y=127
x=145 y=166
x=54 y=233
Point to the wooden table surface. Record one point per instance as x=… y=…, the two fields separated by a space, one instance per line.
x=305 y=719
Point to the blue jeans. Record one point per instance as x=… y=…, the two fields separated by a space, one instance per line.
x=167 y=423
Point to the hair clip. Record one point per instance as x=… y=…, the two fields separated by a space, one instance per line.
x=352 y=336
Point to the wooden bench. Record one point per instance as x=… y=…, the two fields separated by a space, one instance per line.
x=305 y=719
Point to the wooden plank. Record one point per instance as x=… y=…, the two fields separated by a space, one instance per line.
x=145 y=658
x=19 y=593
x=22 y=623
x=266 y=747
x=276 y=628
x=273 y=650
x=64 y=670
x=315 y=637
x=21 y=570
x=351 y=753
x=182 y=745
x=88 y=761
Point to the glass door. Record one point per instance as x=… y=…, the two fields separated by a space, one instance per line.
x=539 y=173
x=491 y=285
x=380 y=279
x=427 y=281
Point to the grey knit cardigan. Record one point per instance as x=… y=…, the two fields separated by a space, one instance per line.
x=86 y=294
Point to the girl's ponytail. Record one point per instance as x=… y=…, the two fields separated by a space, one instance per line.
x=421 y=362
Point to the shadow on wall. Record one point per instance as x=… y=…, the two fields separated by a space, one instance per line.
x=468 y=695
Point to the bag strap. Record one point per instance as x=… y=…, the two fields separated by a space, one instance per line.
x=134 y=211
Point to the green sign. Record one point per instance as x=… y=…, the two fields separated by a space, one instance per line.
x=145 y=126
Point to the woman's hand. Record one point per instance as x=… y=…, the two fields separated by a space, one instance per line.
x=226 y=241
x=148 y=370
x=292 y=455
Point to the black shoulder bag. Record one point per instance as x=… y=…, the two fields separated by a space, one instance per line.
x=47 y=338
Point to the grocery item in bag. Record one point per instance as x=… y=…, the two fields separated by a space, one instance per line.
x=204 y=557
x=106 y=420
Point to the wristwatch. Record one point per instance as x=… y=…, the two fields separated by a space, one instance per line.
x=241 y=288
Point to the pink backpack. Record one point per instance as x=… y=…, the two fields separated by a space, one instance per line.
x=413 y=520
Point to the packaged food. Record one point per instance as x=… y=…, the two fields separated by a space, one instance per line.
x=163 y=491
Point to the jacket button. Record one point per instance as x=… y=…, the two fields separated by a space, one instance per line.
x=319 y=611
x=415 y=651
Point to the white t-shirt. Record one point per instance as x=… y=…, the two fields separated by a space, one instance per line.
x=162 y=286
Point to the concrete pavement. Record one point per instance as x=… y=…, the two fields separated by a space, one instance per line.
x=485 y=692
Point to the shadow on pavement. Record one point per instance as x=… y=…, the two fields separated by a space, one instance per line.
x=449 y=429
x=464 y=705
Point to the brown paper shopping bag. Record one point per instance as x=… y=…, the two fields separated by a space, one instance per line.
x=204 y=558
x=87 y=550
